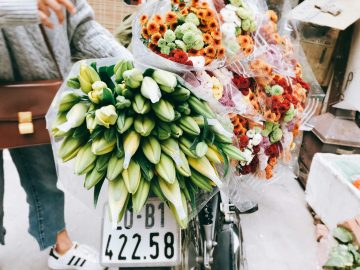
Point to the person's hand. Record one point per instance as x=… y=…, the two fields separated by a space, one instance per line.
x=46 y=6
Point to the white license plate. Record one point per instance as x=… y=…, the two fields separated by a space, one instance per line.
x=151 y=238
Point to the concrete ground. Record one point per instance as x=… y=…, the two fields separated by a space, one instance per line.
x=280 y=236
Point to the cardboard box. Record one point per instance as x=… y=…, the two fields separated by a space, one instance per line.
x=329 y=190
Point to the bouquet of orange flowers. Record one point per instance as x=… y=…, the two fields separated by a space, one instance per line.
x=187 y=34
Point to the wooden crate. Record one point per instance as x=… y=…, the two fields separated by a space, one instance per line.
x=110 y=13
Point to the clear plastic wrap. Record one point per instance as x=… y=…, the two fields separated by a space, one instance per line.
x=146 y=57
x=74 y=184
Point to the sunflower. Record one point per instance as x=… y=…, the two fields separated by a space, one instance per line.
x=221 y=52
x=155 y=38
x=171 y=17
x=207 y=38
x=152 y=28
x=210 y=51
x=162 y=28
x=216 y=35
x=144 y=33
x=157 y=18
x=144 y=19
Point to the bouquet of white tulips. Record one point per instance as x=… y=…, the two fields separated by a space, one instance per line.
x=144 y=132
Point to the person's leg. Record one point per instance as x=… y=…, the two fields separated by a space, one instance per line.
x=38 y=177
x=2 y=230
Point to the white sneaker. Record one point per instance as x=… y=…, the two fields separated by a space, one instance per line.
x=79 y=257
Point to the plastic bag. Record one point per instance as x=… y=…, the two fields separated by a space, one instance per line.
x=146 y=57
x=72 y=183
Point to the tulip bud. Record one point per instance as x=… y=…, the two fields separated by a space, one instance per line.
x=75 y=117
x=124 y=122
x=69 y=148
x=87 y=77
x=144 y=125
x=101 y=145
x=60 y=119
x=85 y=160
x=122 y=103
x=98 y=85
x=140 y=104
x=106 y=116
x=150 y=89
x=68 y=100
x=164 y=110
x=90 y=122
x=133 y=78
x=165 y=78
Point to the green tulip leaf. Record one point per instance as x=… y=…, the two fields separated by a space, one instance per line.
x=97 y=190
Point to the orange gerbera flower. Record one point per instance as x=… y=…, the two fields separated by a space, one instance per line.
x=208 y=60
x=184 y=12
x=201 y=53
x=204 y=5
x=247 y=50
x=217 y=43
x=272 y=16
x=171 y=17
x=152 y=28
x=175 y=2
x=144 y=33
x=182 y=5
x=195 y=3
x=155 y=38
x=207 y=38
x=201 y=14
x=144 y=19
x=213 y=25
x=173 y=26
x=157 y=18
x=210 y=51
x=152 y=47
x=209 y=14
x=221 y=52
x=162 y=28
x=216 y=35
x=204 y=28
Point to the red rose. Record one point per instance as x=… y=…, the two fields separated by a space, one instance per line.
x=245 y=91
x=243 y=141
x=256 y=149
x=245 y=169
x=254 y=164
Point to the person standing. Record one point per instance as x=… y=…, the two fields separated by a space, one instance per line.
x=73 y=34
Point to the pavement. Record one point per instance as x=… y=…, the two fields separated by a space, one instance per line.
x=280 y=236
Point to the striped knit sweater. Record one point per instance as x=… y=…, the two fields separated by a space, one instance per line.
x=22 y=46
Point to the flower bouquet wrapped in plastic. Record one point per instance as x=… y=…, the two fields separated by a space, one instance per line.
x=178 y=36
x=140 y=132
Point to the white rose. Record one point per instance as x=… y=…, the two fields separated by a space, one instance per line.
x=256 y=140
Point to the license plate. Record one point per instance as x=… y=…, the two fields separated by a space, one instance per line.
x=150 y=238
